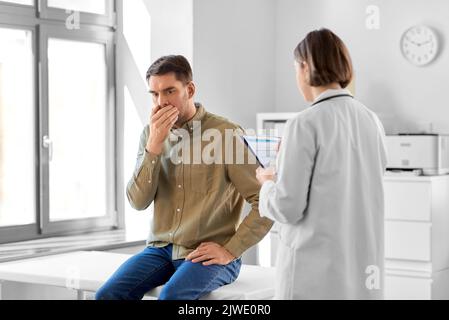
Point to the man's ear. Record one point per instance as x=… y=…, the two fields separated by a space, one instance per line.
x=191 y=89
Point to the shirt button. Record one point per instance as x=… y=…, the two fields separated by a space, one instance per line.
x=179 y=210
x=179 y=186
x=149 y=181
x=153 y=162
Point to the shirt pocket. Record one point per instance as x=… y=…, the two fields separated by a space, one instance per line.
x=205 y=178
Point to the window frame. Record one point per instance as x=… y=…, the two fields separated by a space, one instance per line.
x=25 y=17
x=108 y=19
x=94 y=36
x=19 y=9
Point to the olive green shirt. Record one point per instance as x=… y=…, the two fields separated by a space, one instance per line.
x=198 y=202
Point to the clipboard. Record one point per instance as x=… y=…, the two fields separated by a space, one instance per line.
x=264 y=148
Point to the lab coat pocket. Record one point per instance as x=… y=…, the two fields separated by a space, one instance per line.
x=204 y=178
x=289 y=235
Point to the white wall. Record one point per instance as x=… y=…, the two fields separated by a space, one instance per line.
x=234 y=57
x=406 y=97
x=172 y=23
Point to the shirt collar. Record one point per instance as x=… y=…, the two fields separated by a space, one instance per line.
x=193 y=123
x=330 y=93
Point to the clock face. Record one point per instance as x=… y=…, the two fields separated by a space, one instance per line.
x=419 y=45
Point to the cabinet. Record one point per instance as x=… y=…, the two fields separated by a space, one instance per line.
x=416 y=237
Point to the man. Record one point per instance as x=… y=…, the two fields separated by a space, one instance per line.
x=196 y=241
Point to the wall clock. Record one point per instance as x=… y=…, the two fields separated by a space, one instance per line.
x=419 y=45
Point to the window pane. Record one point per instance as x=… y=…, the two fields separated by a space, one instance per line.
x=77 y=126
x=90 y=6
x=17 y=172
x=25 y=2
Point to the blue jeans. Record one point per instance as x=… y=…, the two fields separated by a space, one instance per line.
x=184 y=280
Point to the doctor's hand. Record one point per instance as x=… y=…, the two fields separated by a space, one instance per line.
x=264 y=175
x=210 y=253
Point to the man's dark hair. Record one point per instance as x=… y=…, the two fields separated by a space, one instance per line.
x=173 y=63
x=327 y=57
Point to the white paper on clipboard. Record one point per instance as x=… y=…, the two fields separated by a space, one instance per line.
x=265 y=148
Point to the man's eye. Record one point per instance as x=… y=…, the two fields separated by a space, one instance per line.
x=155 y=95
x=170 y=91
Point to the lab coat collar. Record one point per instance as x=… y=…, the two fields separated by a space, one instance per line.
x=330 y=93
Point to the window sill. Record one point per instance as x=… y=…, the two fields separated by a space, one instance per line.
x=104 y=240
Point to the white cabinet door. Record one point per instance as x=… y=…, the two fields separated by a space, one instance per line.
x=408 y=240
x=407 y=288
x=405 y=200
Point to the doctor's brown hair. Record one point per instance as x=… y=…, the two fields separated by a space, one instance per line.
x=327 y=56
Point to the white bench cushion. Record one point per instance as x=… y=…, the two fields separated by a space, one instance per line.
x=88 y=270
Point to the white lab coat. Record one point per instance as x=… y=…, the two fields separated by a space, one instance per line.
x=328 y=202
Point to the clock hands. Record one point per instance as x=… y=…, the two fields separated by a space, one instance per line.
x=425 y=42
x=413 y=42
x=419 y=44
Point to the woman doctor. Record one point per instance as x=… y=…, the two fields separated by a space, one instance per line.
x=327 y=195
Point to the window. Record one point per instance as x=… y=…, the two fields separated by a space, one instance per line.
x=89 y=6
x=57 y=119
x=17 y=171
x=98 y=12
x=77 y=126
